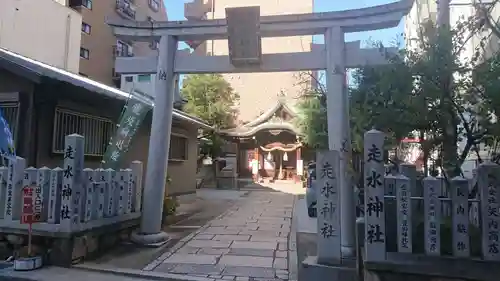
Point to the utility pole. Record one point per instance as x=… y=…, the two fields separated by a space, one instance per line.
x=443 y=18
x=446 y=85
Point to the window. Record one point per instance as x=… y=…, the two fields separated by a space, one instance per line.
x=85 y=28
x=96 y=130
x=129 y=78
x=178 y=148
x=144 y=77
x=154 y=5
x=123 y=49
x=87 y=4
x=84 y=53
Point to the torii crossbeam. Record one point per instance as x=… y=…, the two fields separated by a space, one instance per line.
x=300 y=61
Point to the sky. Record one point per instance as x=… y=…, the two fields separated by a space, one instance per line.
x=175 y=11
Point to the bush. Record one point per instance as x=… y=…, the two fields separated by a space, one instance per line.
x=169 y=206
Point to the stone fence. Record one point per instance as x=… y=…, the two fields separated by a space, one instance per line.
x=429 y=245
x=70 y=200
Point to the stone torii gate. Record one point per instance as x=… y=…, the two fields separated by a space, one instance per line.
x=243 y=27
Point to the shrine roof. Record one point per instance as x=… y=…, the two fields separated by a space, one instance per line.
x=267 y=121
x=249 y=131
x=266 y=116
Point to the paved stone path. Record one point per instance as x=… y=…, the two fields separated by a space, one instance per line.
x=247 y=243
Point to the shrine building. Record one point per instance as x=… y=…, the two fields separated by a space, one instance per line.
x=269 y=146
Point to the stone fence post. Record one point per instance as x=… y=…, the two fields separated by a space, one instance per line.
x=137 y=170
x=375 y=237
x=13 y=197
x=72 y=185
x=328 y=207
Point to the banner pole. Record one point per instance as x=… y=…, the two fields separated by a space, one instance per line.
x=30 y=231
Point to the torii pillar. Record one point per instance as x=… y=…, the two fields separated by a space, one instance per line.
x=339 y=132
x=159 y=145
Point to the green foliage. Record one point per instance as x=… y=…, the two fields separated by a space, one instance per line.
x=487 y=75
x=435 y=91
x=169 y=206
x=381 y=95
x=312 y=120
x=212 y=99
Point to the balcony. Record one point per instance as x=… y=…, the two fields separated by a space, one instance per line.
x=126 y=9
x=197 y=9
x=121 y=51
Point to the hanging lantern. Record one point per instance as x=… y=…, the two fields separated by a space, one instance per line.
x=285 y=157
x=269 y=156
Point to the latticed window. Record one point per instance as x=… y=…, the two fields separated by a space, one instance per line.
x=96 y=130
x=178 y=148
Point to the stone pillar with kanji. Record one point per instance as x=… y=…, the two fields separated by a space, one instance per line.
x=72 y=172
x=375 y=237
x=15 y=176
x=328 y=206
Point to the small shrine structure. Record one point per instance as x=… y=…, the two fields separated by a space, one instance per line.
x=269 y=147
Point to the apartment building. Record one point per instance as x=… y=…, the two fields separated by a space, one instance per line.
x=44 y=30
x=99 y=47
x=258 y=91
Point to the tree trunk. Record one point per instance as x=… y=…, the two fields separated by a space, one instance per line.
x=451 y=165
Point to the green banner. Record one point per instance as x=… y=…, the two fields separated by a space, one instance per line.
x=130 y=120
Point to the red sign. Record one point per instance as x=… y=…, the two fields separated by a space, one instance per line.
x=410 y=140
x=27 y=213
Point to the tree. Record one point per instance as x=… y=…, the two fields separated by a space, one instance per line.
x=212 y=99
x=373 y=103
x=312 y=121
x=433 y=92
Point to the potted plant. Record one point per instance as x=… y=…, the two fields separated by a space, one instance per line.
x=29 y=257
x=169 y=203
